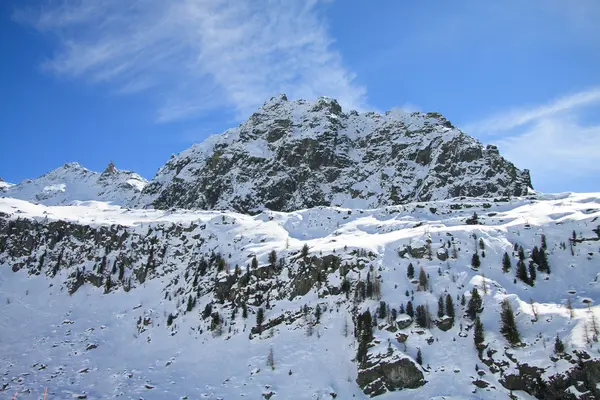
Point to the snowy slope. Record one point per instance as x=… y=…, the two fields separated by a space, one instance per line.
x=46 y=333
x=299 y=154
x=72 y=182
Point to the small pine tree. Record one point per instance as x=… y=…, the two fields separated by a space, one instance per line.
x=543 y=262
x=450 y=306
x=506 y=264
x=532 y=273
x=410 y=271
x=190 y=304
x=544 y=245
x=441 y=307
x=170 y=319
x=409 y=309
x=401 y=311
x=559 y=346
x=272 y=258
x=475 y=304
x=463 y=300
x=509 y=326
x=522 y=271
x=260 y=318
x=478 y=335
x=422 y=279
x=305 y=250
x=382 y=312
x=521 y=253
x=318 y=313
x=481 y=244
x=244 y=311
x=254 y=263
x=419 y=356
x=475 y=261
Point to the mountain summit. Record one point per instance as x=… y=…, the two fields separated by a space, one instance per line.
x=72 y=182
x=291 y=155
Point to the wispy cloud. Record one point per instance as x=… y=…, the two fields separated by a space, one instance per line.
x=197 y=55
x=555 y=140
x=515 y=118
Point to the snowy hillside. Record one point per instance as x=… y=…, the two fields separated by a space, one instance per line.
x=72 y=182
x=103 y=302
x=298 y=154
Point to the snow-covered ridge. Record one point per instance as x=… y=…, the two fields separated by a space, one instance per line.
x=72 y=182
x=114 y=340
x=299 y=154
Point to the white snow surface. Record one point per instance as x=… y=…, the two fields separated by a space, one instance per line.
x=44 y=332
x=72 y=182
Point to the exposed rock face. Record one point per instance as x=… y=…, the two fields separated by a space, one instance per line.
x=296 y=154
x=584 y=376
x=388 y=373
x=72 y=182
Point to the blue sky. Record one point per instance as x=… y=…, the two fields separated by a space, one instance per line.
x=133 y=82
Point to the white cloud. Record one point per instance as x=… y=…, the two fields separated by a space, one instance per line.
x=197 y=55
x=515 y=118
x=553 y=140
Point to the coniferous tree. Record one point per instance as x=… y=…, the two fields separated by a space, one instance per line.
x=475 y=304
x=409 y=309
x=364 y=334
x=478 y=335
x=543 y=262
x=422 y=279
x=544 y=245
x=318 y=313
x=410 y=271
x=260 y=318
x=369 y=288
x=535 y=255
x=401 y=311
x=559 y=346
x=481 y=244
x=506 y=264
x=170 y=319
x=450 y=306
x=254 y=262
x=419 y=357
x=305 y=250
x=382 y=312
x=475 y=261
x=272 y=258
x=422 y=317
x=441 y=308
x=521 y=253
x=244 y=311
x=532 y=273
x=522 y=271
x=509 y=326
x=463 y=300
x=190 y=304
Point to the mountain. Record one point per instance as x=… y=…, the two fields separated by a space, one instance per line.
x=291 y=155
x=4 y=185
x=99 y=301
x=72 y=182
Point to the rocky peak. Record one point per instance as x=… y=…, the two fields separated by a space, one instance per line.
x=110 y=169
x=298 y=154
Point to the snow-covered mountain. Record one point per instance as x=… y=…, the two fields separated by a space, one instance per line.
x=72 y=182
x=104 y=302
x=291 y=155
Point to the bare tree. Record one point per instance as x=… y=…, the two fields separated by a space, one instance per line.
x=271 y=359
